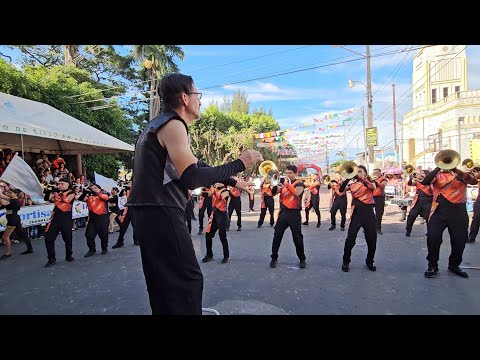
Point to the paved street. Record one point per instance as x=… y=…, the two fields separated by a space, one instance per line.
x=114 y=283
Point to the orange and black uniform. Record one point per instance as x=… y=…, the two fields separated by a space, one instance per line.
x=379 y=197
x=339 y=203
x=289 y=216
x=189 y=213
x=251 y=198
x=421 y=204
x=125 y=220
x=218 y=221
x=13 y=219
x=61 y=221
x=267 y=203
x=449 y=210
x=235 y=204
x=314 y=203
x=205 y=204
x=97 y=221
x=362 y=216
x=475 y=225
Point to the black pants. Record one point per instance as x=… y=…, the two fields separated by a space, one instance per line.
x=422 y=207
x=449 y=216
x=315 y=204
x=379 y=210
x=201 y=213
x=124 y=226
x=189 y=214
x=219 y=222
x=339 y=204
x=251 y=202
x=20 y=232
x=61 y=223
x=235 y=204
x=475 y=225
x=293 y=219
x=362 y=216
x=97 y=225
x=269 y=204
x=172 y=274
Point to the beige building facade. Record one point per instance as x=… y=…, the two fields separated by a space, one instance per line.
x=445 y=114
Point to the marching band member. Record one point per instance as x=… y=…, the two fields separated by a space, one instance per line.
x=379 y=197
x=448 y=211
x=314 y=202
x=251 y=195
x=291 y=192
x=204 y=204
x=338 y=202
x=475 y=225
x=362 y=216
x=422 y=201
x=235 y=204
x=267 y=202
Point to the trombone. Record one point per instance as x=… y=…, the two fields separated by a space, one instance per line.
x=348 y=170
x=470 y=166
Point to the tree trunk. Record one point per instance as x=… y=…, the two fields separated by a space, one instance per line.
x=71 y=55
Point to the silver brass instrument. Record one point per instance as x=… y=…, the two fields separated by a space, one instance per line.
x=447 y=159
x=348 y=170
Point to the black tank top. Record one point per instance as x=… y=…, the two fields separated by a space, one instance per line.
x=155 y=180
x=14 y=206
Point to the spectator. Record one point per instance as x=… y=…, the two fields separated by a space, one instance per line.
x=63 y=171
x=58 y=160
x=48 y=176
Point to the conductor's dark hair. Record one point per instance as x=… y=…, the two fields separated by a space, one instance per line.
x=170 y=87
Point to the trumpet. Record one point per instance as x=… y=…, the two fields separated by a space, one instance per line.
x=447 y=159
x=470 y=166
x=326 y=179
x=408 y=170
x=348 y=170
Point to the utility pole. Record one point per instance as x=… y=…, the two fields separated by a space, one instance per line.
x=371 y=155
x=394 y=125
x=364 y=138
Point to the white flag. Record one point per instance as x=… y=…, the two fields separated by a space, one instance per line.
x=106 y=183
x=21 y=176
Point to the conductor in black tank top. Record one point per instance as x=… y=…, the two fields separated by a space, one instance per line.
x=164 y=170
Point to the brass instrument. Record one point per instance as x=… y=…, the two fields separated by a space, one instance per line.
x=408 y=170
x=348 y=170
x=468 y=163
x=269 y=169
x=326 y=179
x=447 y=159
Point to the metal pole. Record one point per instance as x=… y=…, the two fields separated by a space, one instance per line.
x=21 y=139
x=394 y=126
x=401 y=146
x=364 y=138
x=371 y=155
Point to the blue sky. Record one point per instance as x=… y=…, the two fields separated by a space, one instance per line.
x=300 y=83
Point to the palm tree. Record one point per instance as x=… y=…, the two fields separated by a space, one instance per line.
x=160 y=62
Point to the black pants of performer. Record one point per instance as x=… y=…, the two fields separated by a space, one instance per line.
x=315 y=204
x=172 y=274
x=422 y=207
x=97 y=225
x=20 y=232
x=189 y=214
x=449 y=216
x=201 y=214
x=475 y=225
x=219 y=222
x=61 y=223
x=379 y=210
x=251 y=202
x=289 y=218
x=339 y=204
x=123 y=228
x=269 y=204
x=362 y=216
x=235 y=204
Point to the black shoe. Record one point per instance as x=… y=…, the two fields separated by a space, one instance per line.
x=331 y=228
x=104 y=252
x=371 y=267
x=194 y=218
x=117 y=245
x=302 y=264
x=379 y=231
x=239 y=228
x=50 y=263
x=225 y=260
x=458 y=271
x=259 y=226
x=272 y=225
x=407 y=234
x=318 y=225
x=470 y=240
x=89 y=253
x=435 y=268
x=200 y=231
x=5 y=256
x=345 y=267
x=305 y=223
x=228 y=228
x=28 y=251
x=430 y=273
x=342 y=228
x=70 y=259
x=136 y=243
x=207 y=258
x=273 y=263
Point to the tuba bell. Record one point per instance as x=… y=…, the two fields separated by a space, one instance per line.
x=269 y=169
x=348 y=170
x=447 y=159
x=408 y=170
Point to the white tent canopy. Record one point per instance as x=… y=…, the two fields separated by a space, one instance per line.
x=37 y=126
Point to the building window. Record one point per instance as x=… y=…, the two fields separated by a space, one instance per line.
x=445 y=92
x=434 y=96
x=457 y=88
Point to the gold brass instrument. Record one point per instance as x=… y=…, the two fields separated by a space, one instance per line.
x=408 y=170
x=326 y=179
x=269 y=169
x=447 y=159
x=469 y=164
x=348 y=170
